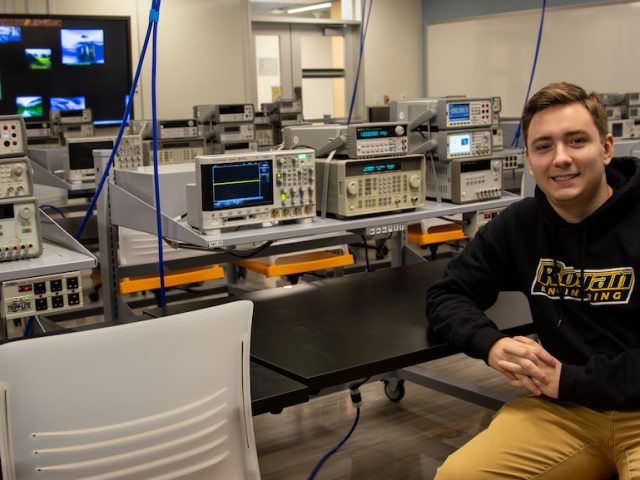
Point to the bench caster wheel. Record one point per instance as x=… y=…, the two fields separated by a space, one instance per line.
x=241 y=272
x=394 y=393
x=293 y=278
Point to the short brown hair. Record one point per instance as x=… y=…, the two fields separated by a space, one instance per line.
x=564 y=93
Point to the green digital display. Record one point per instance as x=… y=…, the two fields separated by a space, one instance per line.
x=380 y=167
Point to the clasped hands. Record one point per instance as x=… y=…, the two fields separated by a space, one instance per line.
x=526 y=364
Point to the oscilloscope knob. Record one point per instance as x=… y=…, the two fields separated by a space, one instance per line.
x=414 y=181
x=399 y=130
x=352 y=188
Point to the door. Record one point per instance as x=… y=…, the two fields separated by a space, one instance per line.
x=311 y=61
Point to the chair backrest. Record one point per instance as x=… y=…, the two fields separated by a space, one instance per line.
x=166 y=398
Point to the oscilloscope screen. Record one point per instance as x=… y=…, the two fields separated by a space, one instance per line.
x=237 y=184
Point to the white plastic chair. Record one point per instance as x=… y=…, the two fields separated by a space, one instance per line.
x=166 y=398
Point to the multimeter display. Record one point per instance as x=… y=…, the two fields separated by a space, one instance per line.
x=459 y=111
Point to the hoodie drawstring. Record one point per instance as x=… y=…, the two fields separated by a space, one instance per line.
x=581 y=255
x=556 y=268
x=583 y=246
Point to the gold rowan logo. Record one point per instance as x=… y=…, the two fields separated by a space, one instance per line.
x=599 y=287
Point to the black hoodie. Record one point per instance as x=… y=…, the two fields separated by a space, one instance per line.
x=580 y=280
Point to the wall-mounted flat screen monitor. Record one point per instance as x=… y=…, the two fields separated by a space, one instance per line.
x=64 y=62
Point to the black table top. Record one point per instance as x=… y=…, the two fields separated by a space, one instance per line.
x=334 y=331
x=271 y=392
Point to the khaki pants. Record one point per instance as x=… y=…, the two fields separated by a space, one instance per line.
x=543 y=439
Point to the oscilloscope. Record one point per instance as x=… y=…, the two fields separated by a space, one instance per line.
x=78 y=162
x=251 y=188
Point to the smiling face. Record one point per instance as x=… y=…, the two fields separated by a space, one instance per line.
x=566 y=156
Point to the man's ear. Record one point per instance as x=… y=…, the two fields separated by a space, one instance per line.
x=608 y=148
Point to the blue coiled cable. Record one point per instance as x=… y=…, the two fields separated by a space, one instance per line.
x=516 y=136
x=151 y=28
x=363 y=35
x=335 y=449
x=154 y=117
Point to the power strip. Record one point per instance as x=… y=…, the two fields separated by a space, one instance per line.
x=41 y=295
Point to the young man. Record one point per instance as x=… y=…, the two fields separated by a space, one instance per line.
x=574 y=251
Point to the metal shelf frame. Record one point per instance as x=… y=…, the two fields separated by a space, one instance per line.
x=42 y=176
x=119 y=207
x=123 y=203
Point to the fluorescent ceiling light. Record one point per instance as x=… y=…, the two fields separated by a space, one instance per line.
x=317 y=6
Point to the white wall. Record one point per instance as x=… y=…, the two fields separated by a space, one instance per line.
x=594 y=46
x=393 y=62
x=204 y=48
x=204 y=56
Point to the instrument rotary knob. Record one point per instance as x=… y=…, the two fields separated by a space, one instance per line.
x=26 y=212
x=17 y=170
x=414 y=181
x=352 y=188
